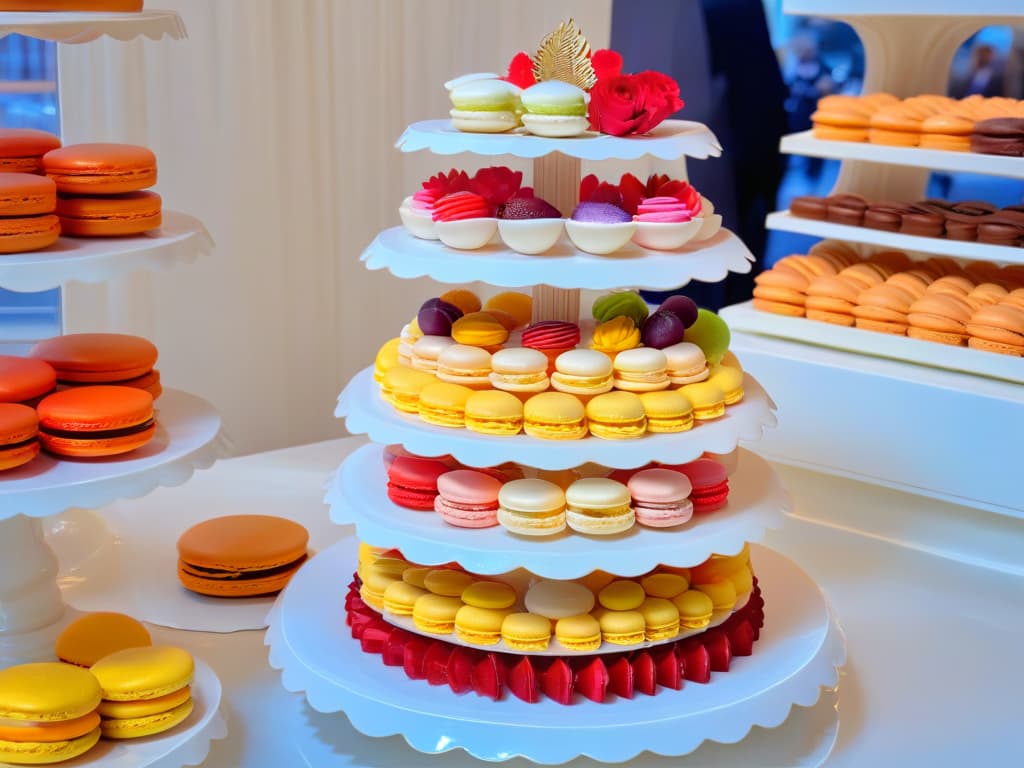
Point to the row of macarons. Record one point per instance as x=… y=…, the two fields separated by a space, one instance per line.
x=466 y=213
x=525 y=613
x=110 y=682
x=657 y=496
x=82 y=190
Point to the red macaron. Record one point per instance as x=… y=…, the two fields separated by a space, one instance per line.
x=710 y=481
x=412 y=481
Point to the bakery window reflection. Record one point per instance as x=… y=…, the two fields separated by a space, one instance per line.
x=819 y=57
x=28 y=99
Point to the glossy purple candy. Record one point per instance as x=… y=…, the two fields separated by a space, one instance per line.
x=600 y=213
x=661 y=329
x=682 y=307
x=436 y=316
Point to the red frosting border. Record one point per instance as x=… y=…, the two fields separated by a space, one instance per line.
x=600 y=678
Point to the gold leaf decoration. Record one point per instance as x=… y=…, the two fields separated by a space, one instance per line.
x=565 y=55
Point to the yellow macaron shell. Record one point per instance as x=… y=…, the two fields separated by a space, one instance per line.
x=137 y=727
x=729 y=380
x=622 y=627
x=695 y=609
x=479 y=626
x=144 y=673
x=598 y=505
x=579 y=633
x=515 y=303
x=44 y=753
x=444 y=404
x=661 y=617
x=667 y=411
x=555 y=416
x=436 y=613
x=47 y=692
x=493 y=412
x=622 y=595
x=89 y=638
x=489 y=594
x=722 y=593
x=666 y=585
x=442 y=581
x=127 y=710
x=526 y=632
x=617 y=416
x=708 y=400
x=400 y=597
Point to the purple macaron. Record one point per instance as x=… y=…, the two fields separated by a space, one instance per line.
x=436 y=316
x=661 y=329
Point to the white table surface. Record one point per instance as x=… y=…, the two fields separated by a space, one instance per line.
x=933 y=678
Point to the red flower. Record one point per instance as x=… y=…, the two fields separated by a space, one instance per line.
x=606 y=63
x=496 y=184
x=520 y=70
x=628 y=104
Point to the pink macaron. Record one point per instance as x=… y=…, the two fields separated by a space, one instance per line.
x=710 y=481
x=661 y=497
x=468 y=498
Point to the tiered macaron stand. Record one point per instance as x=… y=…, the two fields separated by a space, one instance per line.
x=188 y=437
x=918 y=392
x=802 y=646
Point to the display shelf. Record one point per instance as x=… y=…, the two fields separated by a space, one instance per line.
x=914 y=245
x=743 y=317
x=669 y=140
x=563 y=266
x=804 y=143
x=180 y=239
x=86 y=27
x=797 y=655
x=188 y=437
x=358 y=495
x=955 y=8
x=364 y=412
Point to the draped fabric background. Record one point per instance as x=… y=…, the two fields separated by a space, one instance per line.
x=274 y=123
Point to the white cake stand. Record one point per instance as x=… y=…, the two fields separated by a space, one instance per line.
x=358 y=495
x=798 y=654
x=86 y=27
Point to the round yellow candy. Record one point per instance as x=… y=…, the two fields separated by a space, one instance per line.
x=622 y=595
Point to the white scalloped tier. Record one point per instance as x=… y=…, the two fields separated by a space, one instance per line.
x=366 y=413
x=669 y=140
x=358 y=494
x=798 y=654
x=563 y=266
x=188 y=437
x=180 y=239
x=86 y=27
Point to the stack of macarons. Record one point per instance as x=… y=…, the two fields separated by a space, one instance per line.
x=102 y=189
x=582 y=614
x=28 y=200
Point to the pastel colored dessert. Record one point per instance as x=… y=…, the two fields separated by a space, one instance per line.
x=582 y=372
x=558 y=599
x=494 y=412
x=620 y=303
x=479 y=626
x=552 y=337
x=412 y=481
x=883 y=308
x=661 y=329
x=464 y=299
x=554 y=109
x=529 y=225
x=622 y=595
x=101 y=358
x=485 y=106
x=480 y=329
x=621 y=627
x=997 y=328
x=711 y=334
x=598 y=506
x=464 y=220
x=940 y=318
x=465 y=365
x=515 y=303
x=599 y=228
x=22 y=149
x=467 y=499
x=436 y=316
x=241 y=555
x=616 y=416
x=730 y=380
x=666 y=585
x=721 y=591
x=96 y=421
x=661 y=497
x=400 y=597
x=578 y=633
x=26 y=194
x=531 y=507
x=708 y=400
x=25 y=380
x=131 y=213
x=710 y=483
x=447 y=582
x=435 y=614
x=401 y=387
x=665 y=223
x=94 y=636
x=781 y=292
x=661 y=619
x=444 y=404
x=682 y=307
x=494 y=595
x=831 y=299
x=407 y=338
x=685 y=363
x=100 y=169
x=526 y=632
x=386 y=359
x=427 y=350
x=49 y=713
x=519 y=369
x=555 y=416
x=146 y=690
x=417 y=216
x=667 y=411
x=615 y=335
x=19 y=435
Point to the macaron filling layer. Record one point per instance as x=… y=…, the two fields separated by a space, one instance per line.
x=84 y=431
x=240 y=575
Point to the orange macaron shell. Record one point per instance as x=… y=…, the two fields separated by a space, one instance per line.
x=97 y=357
x=24 y=380
x=19 y=427
x=22 y=149
x=28 y=233
x=26 y=194
x=96 y=421
x=100 y=169
x=131 y=213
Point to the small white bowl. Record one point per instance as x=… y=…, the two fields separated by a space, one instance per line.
x=530 y=236
x=466 y=234
x=666 y=236
x=599 y=239
x=417 y=223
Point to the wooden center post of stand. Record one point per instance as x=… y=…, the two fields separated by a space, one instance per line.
x=556 y=178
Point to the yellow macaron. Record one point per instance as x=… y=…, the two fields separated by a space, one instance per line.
x=617 y=416
x=622 y=627
x=579 y=633
x=480 y=329
x=400 y=597
x=493 y=412
x=695 y=609
x=89 y=638
x=447 y=582
x=622 y=595
x=479 y=626
x=444 y=404
x=661 y=618
x=667 y=411
x=708 y=400
x=387 y=358
x=555 y=416
x=729 y=380
x=402 y=386
x=435 y=614
x=526 y=632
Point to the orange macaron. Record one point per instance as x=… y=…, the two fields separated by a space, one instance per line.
x=96 y=421
x=101 y=358
x=131 y=213
x=22 y=149
x=27 y=222
x=19 y=428
x=241 y=555
x=100 y=169
x=25 y=380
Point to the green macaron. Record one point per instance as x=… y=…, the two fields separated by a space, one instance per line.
x=620 y=303
x=711 y=334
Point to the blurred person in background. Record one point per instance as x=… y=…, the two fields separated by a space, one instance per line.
x=984 y=77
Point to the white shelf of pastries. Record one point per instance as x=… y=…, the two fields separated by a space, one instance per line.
x=670 y=140
x=180 y=239
x=563 y=266
x=953 y=8
x=84 y=27
x=784 y=221
x=805 y=143
x=358 y=495
x=365 y=412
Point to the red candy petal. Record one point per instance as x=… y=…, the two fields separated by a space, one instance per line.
x=621 y=677
x=523 y=682
x=556 y=682
x=587 y=186
x=632 y=191
x=592 y=680
x=717 y=645
x=668 y=671
x=645 y=677
x=415 y=658
x=435 y=663
x=741 y=638
x=487 y=676
x=374 y=637
x=696 y=662
x=393 y=654
x=496 y=184
x=460 y=669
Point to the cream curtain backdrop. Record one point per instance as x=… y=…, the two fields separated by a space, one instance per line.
x=274 y=123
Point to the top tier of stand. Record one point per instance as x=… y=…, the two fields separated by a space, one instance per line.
x=844 y=8
x=85 y=27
